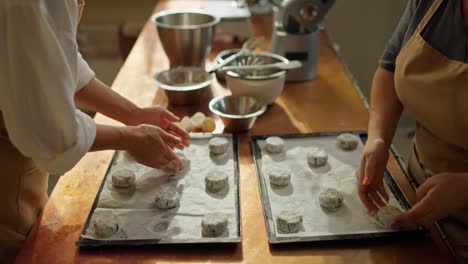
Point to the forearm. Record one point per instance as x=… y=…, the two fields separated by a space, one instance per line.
x=113 y=137
x=98 y=97
x=385 y=107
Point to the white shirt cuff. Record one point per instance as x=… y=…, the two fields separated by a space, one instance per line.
x=85 y=73
x=65 y=161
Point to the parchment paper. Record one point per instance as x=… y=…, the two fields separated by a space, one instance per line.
x=307 y=183
x=139 y=218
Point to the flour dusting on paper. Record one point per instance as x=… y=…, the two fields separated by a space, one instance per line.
x=307 y=183
x=139 y=218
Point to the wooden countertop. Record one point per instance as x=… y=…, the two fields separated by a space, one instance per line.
x=329 y=103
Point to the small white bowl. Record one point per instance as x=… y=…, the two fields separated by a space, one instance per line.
x=264 y=85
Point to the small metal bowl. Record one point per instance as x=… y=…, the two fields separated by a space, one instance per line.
x=238 y=113
x=184 y=85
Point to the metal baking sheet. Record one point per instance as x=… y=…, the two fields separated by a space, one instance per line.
x=137 y=208
x=298 y=143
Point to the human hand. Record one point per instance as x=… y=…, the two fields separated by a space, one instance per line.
x=163 y=118
x=153 y=147
x=374 y=161
x=437 y=197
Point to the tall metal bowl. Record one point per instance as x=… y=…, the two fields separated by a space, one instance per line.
x=238 y=113
x=184 y=85
x=186 y=35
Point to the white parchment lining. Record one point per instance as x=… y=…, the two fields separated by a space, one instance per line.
x=136 y=214
x=307 y=183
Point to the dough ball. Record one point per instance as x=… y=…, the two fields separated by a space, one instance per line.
x=331 y=199
x=215 y=181
x=167 y=198
x=104 y=225
x=317 y=157
x=185 y=164
x=218 y=145
x=197 y=120
x=387 y=214
x=347 y=141
x=280 y=176
x=186 y=124
x=289 y=221
x=209 y=125
x=123 y=178
x=274 y=144
x=214 y=224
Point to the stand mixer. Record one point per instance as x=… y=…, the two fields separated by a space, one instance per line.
x=296 y=34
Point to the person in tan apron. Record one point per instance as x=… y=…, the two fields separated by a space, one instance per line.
x=23 y=188
x=434 y=90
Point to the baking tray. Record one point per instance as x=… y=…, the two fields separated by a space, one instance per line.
x=267 y=211
x=85 y=242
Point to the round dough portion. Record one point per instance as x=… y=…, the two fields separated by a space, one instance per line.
x=185 y=164
x=331 y=199
x=289 y=221
x=218 y=145
x=104 y=226
x=214 y=224
x=280 y=176
x=167 y=198
x=274 y=144
x=387 y=214
x=347 y=141
x=317 y=157
x=215 y=181
x=123 y=178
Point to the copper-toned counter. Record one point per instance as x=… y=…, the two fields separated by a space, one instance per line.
x=329 y=103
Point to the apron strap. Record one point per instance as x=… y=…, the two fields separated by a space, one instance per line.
x=428 y=16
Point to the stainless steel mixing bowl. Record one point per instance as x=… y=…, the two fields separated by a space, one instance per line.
x=265 y=85
x=238 y=113
x=184 y=85
x=220 y=59
x=186 y=36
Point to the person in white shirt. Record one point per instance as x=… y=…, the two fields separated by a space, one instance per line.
x=42 y=74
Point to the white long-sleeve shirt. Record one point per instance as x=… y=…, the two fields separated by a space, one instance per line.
x=40 y=71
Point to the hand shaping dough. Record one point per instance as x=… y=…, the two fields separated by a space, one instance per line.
x=274 y=144
x=185 y=163
x=347 y=141
x=317 y=157
x=215 y=181
x=123 y=178
x=214 y=224
x=104 y=226
x=218 y=145
x=167 y=198
x=289 y=221
x=387 y=214
x=280 y=176
x=331 y=199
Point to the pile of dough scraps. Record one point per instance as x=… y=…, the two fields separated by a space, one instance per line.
x=197 y=123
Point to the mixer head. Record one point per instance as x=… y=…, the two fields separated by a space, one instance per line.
x=301 y=16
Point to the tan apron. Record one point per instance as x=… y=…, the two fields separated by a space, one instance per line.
x=23 y=192
x=434 y=90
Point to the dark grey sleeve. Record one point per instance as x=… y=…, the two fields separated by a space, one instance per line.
x=394 y=45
